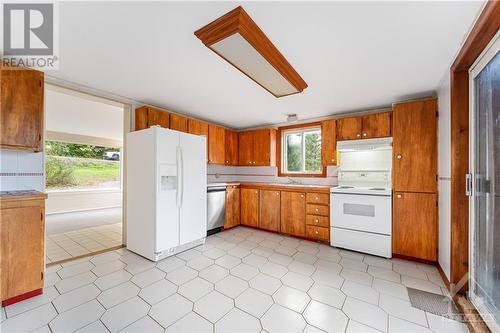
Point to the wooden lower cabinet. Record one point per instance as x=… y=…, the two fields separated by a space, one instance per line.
x=270 y=203
x=232 y=207
x=415 y=225
x=22 y=237
x=293 y=213
x=249 y=207
x=319 y=233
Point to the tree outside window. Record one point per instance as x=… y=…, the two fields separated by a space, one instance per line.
x=302 y=151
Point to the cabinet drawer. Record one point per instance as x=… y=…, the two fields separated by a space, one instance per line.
x=317 y=210
x=318 y=221
x=318 y=198
x=319 y=233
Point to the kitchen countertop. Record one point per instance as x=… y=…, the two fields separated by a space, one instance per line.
x=303 y=187
x=21 y=195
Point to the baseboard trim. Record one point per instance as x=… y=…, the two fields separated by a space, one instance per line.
x=419 y=260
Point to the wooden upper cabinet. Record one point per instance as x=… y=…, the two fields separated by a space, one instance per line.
x=178 y=123
x=231 y=154
x=328 y=142
x=270 y=203
x=21 y=109
x=376 y=125
x=141 y=118
x=293 y=213
x=232 y=206
x=415 y=225
x=415 y=146
x=147 y=116
x=216 y=144
x=245 y=148
x=349 y=128
x=249 y=203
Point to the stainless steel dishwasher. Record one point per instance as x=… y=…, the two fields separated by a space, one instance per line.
x=216 y=208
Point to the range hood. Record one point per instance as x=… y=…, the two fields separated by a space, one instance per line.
x=365 y=144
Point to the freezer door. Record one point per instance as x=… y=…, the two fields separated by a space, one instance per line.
x=167 y=211
x=193 y=191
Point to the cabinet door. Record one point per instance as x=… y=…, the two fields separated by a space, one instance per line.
x=264 y=147
x=216 y=144
x=249 y=204
x=293 y=213
x=198 y=127
x=178 y=123
x=231 y=153
x=270 y=202
x=349 y=128
x=377 y=125
x=232 y=207
x=22 y=250
x=414 y=146
x=245 y=148
x=141 y=118
x=328 y=142
x=415 y=225
x=21 y=116
x=158 y=117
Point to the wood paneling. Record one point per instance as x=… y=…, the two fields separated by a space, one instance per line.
x=21 y=109
x=245 y=148
x=318 y=210
x=318 y=233
x=216 y=144
x=178 y=123
x=318 y=221
x=328 y=142
x=238 y=21
x=232 y=206
x=270 y=203
x=376 y=125
x=231 y=154
x=349 y=128
x=415 y=225
x=293 y=213
x=249 y=202
x=318 y=198
x=415 y=146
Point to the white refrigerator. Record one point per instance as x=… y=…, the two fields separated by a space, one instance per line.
x=166 y=192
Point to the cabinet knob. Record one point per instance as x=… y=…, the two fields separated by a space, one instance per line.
x=399 y=156
x=364 y=134
x=399 y=196
x=317 y=198
x=277 y=193
x=227 y=162
x=333 y=160
x=317 y=221
x=301 y=195
x=317 y=209
x=316 y=232
x=358 y=135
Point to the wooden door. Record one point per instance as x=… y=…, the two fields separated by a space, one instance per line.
x=414 y=229
x=22 y=250
x=349 y=128
x=198 y=127
x=141 y=118
x=231 y=153
x=415 y=146
x=328 y=142
x=21 y=109
x=249 y=203
x=158 y=117
x=216 y=144
x=245 y=148
x=270 y=202
x=377 y=125
x=293 y=213
x=232 y=207
x=178 y=123
x=264 y=147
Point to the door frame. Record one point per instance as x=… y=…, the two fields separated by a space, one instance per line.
x=484 y=29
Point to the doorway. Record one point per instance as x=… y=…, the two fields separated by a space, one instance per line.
x=484 y=185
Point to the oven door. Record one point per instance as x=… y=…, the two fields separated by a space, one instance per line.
x=369 y=213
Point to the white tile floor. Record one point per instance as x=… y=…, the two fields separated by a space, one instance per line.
x=242 y=280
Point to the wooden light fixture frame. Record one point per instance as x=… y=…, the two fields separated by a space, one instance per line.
x=238 y=21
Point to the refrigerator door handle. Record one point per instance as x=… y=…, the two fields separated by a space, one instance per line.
x=179 y=176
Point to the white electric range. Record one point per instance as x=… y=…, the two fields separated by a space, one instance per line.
x=361 y=204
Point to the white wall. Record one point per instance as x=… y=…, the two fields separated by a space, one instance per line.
x=71 y=201
x=444 y=173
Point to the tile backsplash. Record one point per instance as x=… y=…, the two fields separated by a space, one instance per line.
x=21 y=170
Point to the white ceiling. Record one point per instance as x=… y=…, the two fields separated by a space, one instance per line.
x=353 y=55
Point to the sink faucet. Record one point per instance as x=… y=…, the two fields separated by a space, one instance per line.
x=293 y=181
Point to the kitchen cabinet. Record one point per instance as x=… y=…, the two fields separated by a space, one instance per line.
x=216 y=144
x=231 y=147
x=249 y=202
x=415 y=225
x=318 y=233
x=293 y=213
x=376 y=125
x=21 y=109
x=257 y=147
x=178 y=123
x=22 y=237
x=349 y=128
x=415 y=146
x=270 y=203
x=328 y=142
x=147 y=116
x=232 y=206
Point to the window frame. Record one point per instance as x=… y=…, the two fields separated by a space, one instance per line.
x=281 y=150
